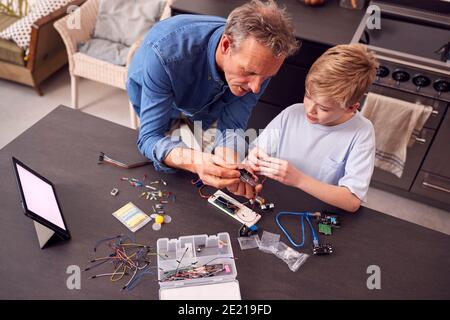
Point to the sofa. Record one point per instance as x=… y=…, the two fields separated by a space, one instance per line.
x=46 y=54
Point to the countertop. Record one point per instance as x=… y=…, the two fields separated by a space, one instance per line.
x=328 y=24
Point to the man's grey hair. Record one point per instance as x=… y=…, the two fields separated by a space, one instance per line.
x=267 y=23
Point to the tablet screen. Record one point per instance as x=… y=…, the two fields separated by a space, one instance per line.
x=39 y=197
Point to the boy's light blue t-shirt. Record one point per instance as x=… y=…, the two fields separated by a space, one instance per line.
x=341 y=155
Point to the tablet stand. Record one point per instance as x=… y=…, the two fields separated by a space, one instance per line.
x=43 y=233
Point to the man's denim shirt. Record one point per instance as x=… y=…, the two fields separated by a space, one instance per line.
x=174 y=71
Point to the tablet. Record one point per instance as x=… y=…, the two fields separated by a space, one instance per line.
x=39 y=199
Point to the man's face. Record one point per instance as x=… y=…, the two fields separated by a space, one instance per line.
x=247 y=66
x=325 y=111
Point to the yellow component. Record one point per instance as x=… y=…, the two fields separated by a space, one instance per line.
x=260 y=200
x=159 y=219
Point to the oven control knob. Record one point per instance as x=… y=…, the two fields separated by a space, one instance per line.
x=441 y=85
x=421 y=81
x=400 y=76
x=382 y=72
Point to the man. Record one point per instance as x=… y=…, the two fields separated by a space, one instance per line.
x=208 y=69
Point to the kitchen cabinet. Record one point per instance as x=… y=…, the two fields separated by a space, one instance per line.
x=433 y=180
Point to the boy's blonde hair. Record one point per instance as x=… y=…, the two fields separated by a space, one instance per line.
x=343 y=73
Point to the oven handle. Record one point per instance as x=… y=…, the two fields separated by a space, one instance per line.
x=433 y=186
x=434 y=112
x=421 y=140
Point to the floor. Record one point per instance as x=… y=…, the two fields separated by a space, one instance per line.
x=20 y=108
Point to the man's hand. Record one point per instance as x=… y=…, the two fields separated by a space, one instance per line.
x=244 y=189
x=314 y=2
x=274 y=168
x=241 y=188
x=214 y=171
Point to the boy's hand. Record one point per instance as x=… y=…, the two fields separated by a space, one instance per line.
x=253 y=158
x=274 y=168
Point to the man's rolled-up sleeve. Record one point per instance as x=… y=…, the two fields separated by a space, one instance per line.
x=155 y=112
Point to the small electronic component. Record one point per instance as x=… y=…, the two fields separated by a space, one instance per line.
x=234 y=208
x=322 y=249
x=248 y=231
x=329 y=219
x=114 y=192
x=226 y=205
x=248 y=178
x=258 y=199
x=324 y=229
x=267 y=206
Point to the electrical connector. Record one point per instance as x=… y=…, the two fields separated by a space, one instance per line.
x=267 y=206
x=248 y=178
x=114 y=192
x=330 y=219
x=322 y=249
x=248 y=231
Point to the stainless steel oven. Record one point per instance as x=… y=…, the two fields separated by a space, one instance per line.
x=412 y=47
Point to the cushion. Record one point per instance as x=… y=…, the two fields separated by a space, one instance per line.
x=125 y=21
x=112 y=52
x=16 y=8
x=6 y=21
x=20 y=31
x=9 y=51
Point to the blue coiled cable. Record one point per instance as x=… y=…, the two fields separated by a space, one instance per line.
x=302 y=216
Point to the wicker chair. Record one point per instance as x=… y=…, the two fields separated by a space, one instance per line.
x=84 y=66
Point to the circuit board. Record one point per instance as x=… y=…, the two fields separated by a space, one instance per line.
x=234 y=208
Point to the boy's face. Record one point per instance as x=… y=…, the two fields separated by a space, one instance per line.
x=325 y=111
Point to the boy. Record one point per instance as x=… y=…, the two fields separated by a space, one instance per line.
x=323 y=146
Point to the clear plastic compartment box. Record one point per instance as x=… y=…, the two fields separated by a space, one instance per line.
x=197 y=250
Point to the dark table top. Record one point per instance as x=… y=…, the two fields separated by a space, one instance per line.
x=328 y=24
x=64 y=147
